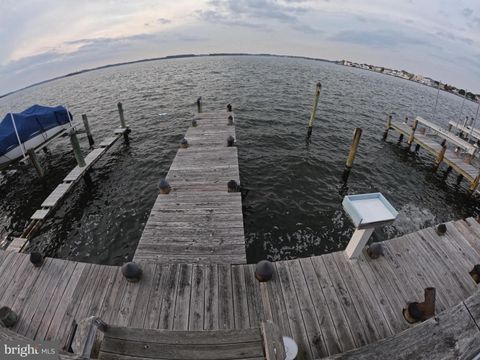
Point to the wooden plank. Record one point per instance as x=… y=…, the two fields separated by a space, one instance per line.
x=54 y=280
x=197 y=302
x=316 y=339
x=256 y=312
x=57 y=194
x=273 y=342
x=108 y=141
x=146 y=284
x=344 y=332
x=40 y=214
x=66 y=304
x=240 y=304
x=469 y=233
x=359 y=330
x=167 y=311
x=211 y=298
x=375 y=324
x=54 y=304
x=293 y=309
x=157 y=295
x=17 y=244
x=225 y=294
x=322 y=310
x=182 y=304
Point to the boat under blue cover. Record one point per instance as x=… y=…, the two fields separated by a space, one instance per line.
x=35 y=122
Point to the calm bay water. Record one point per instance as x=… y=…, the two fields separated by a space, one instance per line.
x=293 y=206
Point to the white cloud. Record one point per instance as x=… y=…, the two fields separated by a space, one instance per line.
x=44 y=39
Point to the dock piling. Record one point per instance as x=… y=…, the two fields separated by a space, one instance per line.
x=412 y=134
x=439 y=158
x=76 y=148
x=314 y=111
x=389 y=123
x=123 y=124
x=35 y=162
x=264 y=270
x=199 y=105
x=87 y=130
x=352 y=153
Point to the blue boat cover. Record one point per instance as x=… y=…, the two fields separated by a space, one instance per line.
x=30 y=123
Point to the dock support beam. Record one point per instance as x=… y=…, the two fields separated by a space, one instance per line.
x=76 y=148
x=412 y=134
x=389 y=125
x=353 y=152
x=439 y=158
x=357 y=242
x=35 y=162
x=87 y=130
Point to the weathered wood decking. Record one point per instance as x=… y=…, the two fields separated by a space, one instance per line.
x=326 y=303
x=199 y=221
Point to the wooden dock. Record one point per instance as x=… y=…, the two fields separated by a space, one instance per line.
x=328 y=304
x=459 y=160
x=199 y=221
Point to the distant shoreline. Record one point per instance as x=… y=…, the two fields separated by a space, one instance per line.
x=156 y=59
x=180 y=56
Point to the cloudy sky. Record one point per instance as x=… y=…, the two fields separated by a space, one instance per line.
x=43 y=39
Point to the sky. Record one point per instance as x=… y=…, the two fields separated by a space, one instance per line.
x=40 y=40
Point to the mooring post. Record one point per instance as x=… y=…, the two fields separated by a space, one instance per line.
x=389 y=124
x=87 y=130
x=314 y=110
x=412 y=134
x=353 y=148
x=35 y=162
x=122 y=117
x=352 y=153
x=439 y=157
x=199 y=104
x=76 y=148
x=123 y=124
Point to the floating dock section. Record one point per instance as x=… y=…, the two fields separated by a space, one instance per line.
x=199 y=221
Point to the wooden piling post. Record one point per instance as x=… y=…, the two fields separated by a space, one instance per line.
x=122 y=116
x=353 y=148
x=35 y=162
x=87 y=130
x=439 y=158
x=314 y=110
x=389 y=125
x=412 y=134
x=199 y=104
x=76 y=148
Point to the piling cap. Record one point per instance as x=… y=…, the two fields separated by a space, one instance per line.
x=194 y=122
x=163 y=184
x=131 y=271
x=36 y=259
x=476 y=269
x=184 y=141
x=414 y=311
x=441 y=229
x=230 y=141
x=319 y=85
x=375 y=251
x=232 y=186
x=264 y=270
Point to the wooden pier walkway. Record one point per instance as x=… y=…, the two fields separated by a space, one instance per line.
x=327 y=303
x=199 y=221
x=459 y=161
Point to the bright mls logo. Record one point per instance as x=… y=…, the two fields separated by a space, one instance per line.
x=24 y=350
